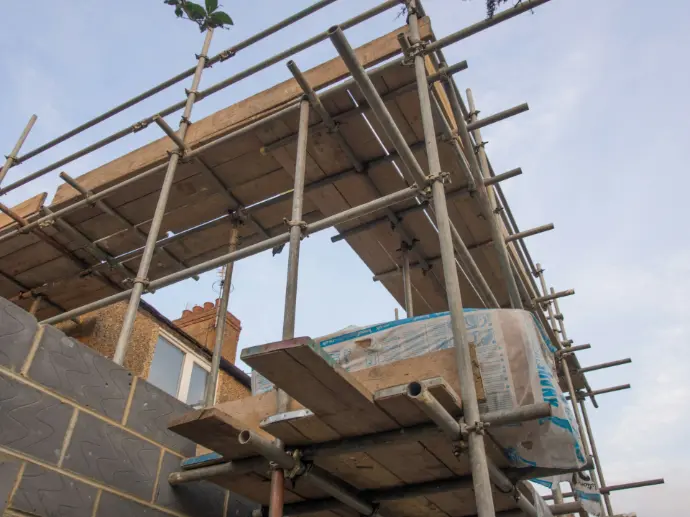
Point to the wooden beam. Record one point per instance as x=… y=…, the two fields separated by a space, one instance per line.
x=25 y=209
x=233 y=117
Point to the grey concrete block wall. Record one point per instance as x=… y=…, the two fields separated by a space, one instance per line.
x=17 y=330
x=74 y=370
x=150 y=413
x=32 y=421
x=46 y=492
x=112 y=456
x=9 y=469
x=80 y=436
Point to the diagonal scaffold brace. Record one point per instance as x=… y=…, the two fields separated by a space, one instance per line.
x=141 y=281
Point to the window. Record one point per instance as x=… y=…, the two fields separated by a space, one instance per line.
x=178 y=371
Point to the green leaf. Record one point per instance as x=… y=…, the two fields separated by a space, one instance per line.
x=171 y=2
x=178 y=11
x=219 y=19
x=194 y=11
x=211 y=5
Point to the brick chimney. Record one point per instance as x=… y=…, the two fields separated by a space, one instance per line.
x=200 y=323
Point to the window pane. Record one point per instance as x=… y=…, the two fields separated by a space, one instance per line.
x=166 y=367
x=197 y=383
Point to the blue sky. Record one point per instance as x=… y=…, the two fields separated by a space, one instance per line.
x=603 y=148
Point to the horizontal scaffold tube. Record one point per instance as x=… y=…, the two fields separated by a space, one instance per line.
x=221 y=56
x=244 y=130
x=411 y=491
x=362 y=443
x=266 y=244
x=594 y=393
x=396 y=271
x=497 y=117
x=183 y=234
x=363 y=106
x=604 y=365
x=201 y=95
x=313 y=474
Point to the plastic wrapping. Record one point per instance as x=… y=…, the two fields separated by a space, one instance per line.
x=586 y=492
x=516 y=364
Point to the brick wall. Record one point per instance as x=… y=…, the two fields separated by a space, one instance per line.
x=100 y=330
x=200 y=323
x=82 y=436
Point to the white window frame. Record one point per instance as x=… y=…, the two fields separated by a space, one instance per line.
x=191 y=357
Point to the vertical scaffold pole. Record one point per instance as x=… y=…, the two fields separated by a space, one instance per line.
x=141 y=279
x=296 y=225
x=489 y=200
x=407 y=280
x=212 y=382
x=569 y=382
x=555 y=490
x=595 y=453
x=11 y=158
x=478 y=458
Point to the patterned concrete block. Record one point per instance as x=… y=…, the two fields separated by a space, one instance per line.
x=46 y=493
x=199 y=498
x=113 y=456
x=239 y=506
x=151 y=411
x=75 y=371
x=112 y=505
x=32 y=421
x=17 y=329
x=8 y=476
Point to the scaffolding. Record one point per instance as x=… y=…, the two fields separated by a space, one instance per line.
x=419 y=211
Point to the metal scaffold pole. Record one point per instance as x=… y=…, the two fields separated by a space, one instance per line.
x=297 y=225
x=556 y=491
x=35 y=305
x=596 y=478
x=477 y=451
x=569 y=380
x=141 y=280
x=221 y=322
x=488 y=201
x=407 y=281
x=595 y=454
x=11 y=159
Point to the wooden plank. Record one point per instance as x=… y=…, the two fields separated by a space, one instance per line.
x=252 y=410
x=331 y=386
x=25 y=209
x=215 y=430
x=406 y=412
x=233 y=117
x=306 y=373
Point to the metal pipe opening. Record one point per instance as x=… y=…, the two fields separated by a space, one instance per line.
x=244 y=437
x=414 y=389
